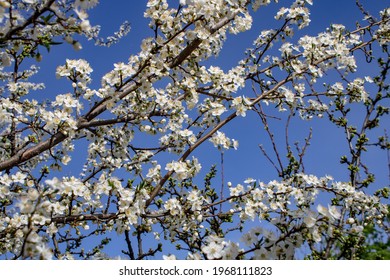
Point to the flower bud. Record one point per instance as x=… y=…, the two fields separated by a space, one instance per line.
x=77 y=46
x=38 y=57
x=68 y=39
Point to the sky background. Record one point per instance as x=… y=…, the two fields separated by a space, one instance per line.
x=328 y=142
x=323 y=154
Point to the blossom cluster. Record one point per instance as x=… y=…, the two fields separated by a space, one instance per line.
x=290 y=214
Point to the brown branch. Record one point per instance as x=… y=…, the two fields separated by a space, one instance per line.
x=29 y=21
x=130 y=251
x=29 y=153
x=195 y=43
x=81 y=217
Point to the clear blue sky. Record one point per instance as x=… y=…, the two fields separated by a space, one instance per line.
x=328 y=141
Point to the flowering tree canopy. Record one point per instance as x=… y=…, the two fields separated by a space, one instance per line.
x=140 y=129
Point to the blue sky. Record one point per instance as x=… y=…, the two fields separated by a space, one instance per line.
x=110 y=14
x=328 y=142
